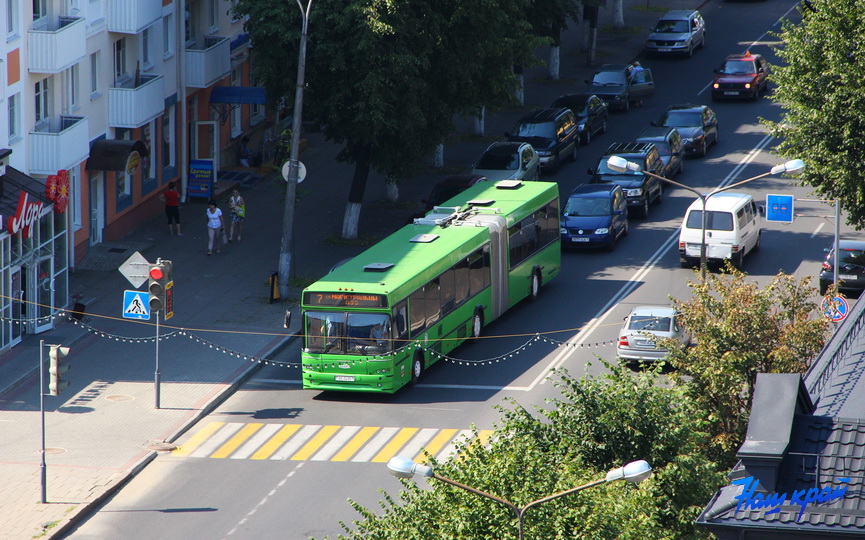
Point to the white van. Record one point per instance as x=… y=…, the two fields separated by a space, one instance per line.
x=732 y=229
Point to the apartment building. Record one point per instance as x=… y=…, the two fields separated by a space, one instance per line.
x=106 y=102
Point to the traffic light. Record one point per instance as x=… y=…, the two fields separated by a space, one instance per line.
x=58 y=366
x=159 y=276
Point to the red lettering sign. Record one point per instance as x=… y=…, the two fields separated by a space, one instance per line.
x=25 y=216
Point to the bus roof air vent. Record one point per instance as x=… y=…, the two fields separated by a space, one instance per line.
x=481 y=202
x=377 y=267
x=509 y=184
x=424 y=238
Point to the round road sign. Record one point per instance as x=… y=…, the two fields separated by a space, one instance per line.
x=301 y=171
x=835 y=308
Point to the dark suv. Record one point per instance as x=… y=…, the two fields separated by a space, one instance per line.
x=553 y=133
x=640 y=189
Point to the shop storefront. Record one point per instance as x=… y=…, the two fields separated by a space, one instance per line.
x=34 y=271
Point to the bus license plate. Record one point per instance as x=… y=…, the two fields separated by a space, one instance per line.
x=578 y=239
x=344 y=378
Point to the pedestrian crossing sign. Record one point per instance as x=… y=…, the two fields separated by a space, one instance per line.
x=135 y=306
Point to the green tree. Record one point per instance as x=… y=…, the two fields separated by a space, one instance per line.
x=597 y=424
x=742 y=329
x=820 y=87
x=385 y=77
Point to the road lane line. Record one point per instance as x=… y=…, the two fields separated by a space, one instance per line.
x=257 y=440
x=414 y=445
x=377 y=442
x=202 y=435
x=299 y=439
x=451 y=449
x=234 y=443
x=216 y=440
x=353 y=445
x=444 y=435
x=335 y=443
x=312 y=446
x=817 y=230
x=271 y=446
x=394 y=445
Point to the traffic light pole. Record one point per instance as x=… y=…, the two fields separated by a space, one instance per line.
x=42 y=468
x=156 y=375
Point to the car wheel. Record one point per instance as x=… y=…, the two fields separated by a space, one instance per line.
x=587 y=136
x=644 y=207
x=477 y=323
x=690 y=50
x=626 y=229
x=604 y=126
x=535 y=286
x=682 y=165
x=739 y=260
x=703 y=42
x=824 y=286
x=573 y=155
x=757 y=245
x=627 y=103
x=660 y=195
x=416 y=368
x=703 y=148
x=685 y=263
x=613 y=238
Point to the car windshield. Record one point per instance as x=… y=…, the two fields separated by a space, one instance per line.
x=672 y=27
x=650 y=323
x=715 y=220
x=604 y=168
x=682 y=119
x=499 y=161
x=852 y=256
x=587 y=206
x=336 y=332
x=609 y=78
x=738 y=67
x=547 y=130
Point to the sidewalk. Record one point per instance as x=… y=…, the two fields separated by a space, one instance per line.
x=105 y=427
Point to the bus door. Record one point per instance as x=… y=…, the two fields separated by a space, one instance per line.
x=498 y=261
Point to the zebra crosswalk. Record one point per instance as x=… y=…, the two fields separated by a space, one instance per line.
x=315 y=442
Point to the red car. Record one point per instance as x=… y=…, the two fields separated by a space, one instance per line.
x=741 y=76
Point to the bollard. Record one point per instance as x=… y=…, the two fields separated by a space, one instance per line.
x=274 y=287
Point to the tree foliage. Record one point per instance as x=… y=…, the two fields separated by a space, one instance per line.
x=596 y=425
x=820 y=87
x=742 y=329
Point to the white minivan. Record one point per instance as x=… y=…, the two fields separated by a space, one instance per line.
x=732 y=229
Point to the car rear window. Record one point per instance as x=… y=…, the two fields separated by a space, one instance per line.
x=715 y=221
x=499 y=161
x=853 y=256
x=682 y=118
x=609 y=78
x=649 y=323
x=546 y=130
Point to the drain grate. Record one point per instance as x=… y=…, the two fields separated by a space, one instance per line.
x=117 y=250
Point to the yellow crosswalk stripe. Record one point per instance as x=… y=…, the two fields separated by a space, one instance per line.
x=232 y=444
x=394 y=445
x=320 y=438
x=435 y=445
x=354 y=444
x=275 y=442
x=195 y=441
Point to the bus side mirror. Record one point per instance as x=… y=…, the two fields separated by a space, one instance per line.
x=287 y=322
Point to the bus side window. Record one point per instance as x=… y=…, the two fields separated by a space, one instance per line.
x=433 y=303
x=400 y=317
x=515 y=239
x=476 y=273
x=461 y=275
x=447 y=291
x=417 y=316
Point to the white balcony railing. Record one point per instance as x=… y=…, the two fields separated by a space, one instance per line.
x=58 y=47
x=132 y=16
x=131 y=106
x=64 y=143
x=208 y=62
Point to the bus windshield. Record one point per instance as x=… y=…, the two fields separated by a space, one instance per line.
x=340 y=332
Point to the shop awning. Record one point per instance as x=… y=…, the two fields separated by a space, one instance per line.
x=113 y=154
x=238 y=94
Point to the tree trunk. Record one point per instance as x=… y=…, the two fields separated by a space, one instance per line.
x=392 y=190
x=555 y=52
x=592 y=34
x=479 y=122
x=520 y=90
x=355 y=193
x=438 y=160
x=618 y=15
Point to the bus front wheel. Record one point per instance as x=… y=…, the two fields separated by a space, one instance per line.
x=416 y=369
x=535 y=287
x=477 y=323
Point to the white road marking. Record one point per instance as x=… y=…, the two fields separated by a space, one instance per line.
x=817 y=230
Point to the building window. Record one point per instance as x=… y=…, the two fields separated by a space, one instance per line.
x=75 y=196
x=168 y=138
x=145 y=48
x=213 y=14
x=234 y=17
x=167 y=36
x=11 y=19
x=94 y=12
x=120 y=59
x=42 y=100
x=94 y=75
x=14 y=116
x=72 y=80
x=40 y=10
x=189 y=25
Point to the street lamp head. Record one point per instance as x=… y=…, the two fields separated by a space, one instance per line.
x=403 y=467
x=633 y=472
x=792 y=167
x=620 y=164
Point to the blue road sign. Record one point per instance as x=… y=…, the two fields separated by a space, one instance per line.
x=779 y=208
x=835 y=309
x=135 y=306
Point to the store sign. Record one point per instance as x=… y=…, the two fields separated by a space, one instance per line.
x=57 y=190
x=748 y=499
x=25 y=216
x=132 y=162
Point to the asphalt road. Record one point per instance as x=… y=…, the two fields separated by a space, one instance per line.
x=237 y=496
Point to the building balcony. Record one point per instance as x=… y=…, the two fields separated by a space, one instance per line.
x=59 y=46
x=132 y=106
x=208 y=61
x=132 y=16
x=59 y=144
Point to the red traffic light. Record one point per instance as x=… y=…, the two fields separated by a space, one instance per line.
x=156 y=273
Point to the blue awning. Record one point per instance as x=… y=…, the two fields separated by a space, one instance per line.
x=238 y=94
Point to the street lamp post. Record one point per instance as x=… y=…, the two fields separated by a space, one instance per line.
x=620 y=164
x=285 y=247
x=403 y=467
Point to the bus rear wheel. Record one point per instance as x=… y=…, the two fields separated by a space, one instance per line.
x=416 y=369
x=477 y=323
x=535 y=287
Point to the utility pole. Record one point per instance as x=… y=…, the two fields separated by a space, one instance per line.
x=285 y=247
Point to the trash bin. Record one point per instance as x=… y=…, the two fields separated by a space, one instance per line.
x=274 y=287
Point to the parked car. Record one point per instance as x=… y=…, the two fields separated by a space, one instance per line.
x=553 y=133
x=741 y=76
x=678 y=31
x=640 y=189
x=591 y=113
x=732 y=229
x=621 y=84
x=644 y=327
x=851 y=267
x=595 y=215
x=669 y=144
x=697 y=124
x=450 y=186
x=508 y=161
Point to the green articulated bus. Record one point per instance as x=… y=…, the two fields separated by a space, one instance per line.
x=379 y=320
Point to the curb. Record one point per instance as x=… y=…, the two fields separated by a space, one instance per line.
x=83 y=511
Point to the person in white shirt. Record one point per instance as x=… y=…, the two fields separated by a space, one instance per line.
x=215 y=226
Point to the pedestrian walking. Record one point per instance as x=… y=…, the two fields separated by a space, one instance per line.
x=172 y=208
x=215 y=227
x=639 y=75
x=237 y=206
